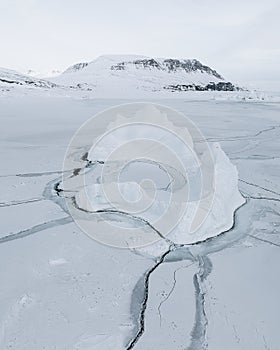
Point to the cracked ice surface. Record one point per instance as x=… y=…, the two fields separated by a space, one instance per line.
x=226 y=199
x=61 y=290
x=202 y=187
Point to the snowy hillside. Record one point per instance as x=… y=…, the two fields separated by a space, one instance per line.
x=119 y=75
x=11 y=78
x=122 y=76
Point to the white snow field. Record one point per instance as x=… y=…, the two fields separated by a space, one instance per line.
x=62 y=290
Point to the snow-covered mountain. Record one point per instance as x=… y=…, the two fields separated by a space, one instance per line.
x=11 y=78
x=119 y=75
x=42 y=74
x=124 y=76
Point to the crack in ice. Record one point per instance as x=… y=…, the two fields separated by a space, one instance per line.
x=19 y=202
x=198 y=334
x=36 y=228
x=171 y=290
x=264 y=240
x=258 y=186
x=145 y=301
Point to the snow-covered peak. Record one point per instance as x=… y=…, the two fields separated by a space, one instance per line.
x=134 y=76
x=126 y=76
x=42 y=74
x=125 y=62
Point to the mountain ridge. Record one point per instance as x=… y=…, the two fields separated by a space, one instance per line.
x=122 y=75
x=126 y=76
x=167 y=64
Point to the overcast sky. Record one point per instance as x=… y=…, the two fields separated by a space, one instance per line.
x=238 y=38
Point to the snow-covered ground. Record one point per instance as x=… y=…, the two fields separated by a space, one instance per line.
x=63 y=290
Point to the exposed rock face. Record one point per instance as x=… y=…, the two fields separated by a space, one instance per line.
x=76 y=67
x=169 y=65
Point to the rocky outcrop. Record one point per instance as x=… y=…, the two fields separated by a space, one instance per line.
x=76 y=67
x=170 y=65
x=221 y=86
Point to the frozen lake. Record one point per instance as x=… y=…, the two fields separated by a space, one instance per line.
x=62 y=290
